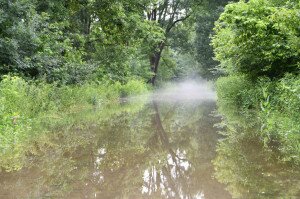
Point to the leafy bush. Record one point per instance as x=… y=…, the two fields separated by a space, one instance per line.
x=133 y=87
x=280 y=113
x=238 y=95
x=258 y=38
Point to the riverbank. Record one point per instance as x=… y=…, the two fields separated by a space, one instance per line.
x=25 y=106
x=272 y=107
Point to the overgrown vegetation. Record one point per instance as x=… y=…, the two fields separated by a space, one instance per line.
x=61 y=58
x=258 y=46
x=26 y=106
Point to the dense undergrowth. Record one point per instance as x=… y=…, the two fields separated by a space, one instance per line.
x=272 y=107
x=257 y=43
x=24 y=106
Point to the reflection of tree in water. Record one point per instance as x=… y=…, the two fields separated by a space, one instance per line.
x=251 y=171
x=162 y=151
x=143 y=159
x=165 y=180
x=189 y=144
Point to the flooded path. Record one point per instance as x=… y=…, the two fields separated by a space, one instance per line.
x=162 y=147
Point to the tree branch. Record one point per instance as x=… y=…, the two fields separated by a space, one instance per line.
x=177 y=21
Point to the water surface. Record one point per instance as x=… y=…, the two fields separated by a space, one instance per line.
x=162 y=147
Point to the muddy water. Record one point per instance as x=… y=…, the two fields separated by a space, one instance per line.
x=165 y=147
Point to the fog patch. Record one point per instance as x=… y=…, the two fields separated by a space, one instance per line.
x=188 y=90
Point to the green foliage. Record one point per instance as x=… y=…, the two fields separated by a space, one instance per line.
x=133 y=87
x=18 y=40
x=66 y=42
x=258 y=38
x=25 y=105
x=72 y=42
x=237 y=96
x=121 y=41
x=168 y=69
x=272 y=105
x=257 y=43
x=176 y=65
x=187 y=66
x=280 y=113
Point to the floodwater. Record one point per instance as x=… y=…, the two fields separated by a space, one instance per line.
x=167 y=146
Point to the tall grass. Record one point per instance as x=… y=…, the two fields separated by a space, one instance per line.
x=24 y=106
x=272 y=106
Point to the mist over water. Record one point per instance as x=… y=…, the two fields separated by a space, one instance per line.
x=188 y=90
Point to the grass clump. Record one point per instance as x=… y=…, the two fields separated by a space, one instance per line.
x=271 y=106
x=26 y=106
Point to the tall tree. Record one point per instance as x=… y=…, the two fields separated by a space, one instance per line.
x=18 y=41
x=167 y=14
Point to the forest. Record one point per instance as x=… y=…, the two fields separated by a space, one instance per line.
x=64 y=57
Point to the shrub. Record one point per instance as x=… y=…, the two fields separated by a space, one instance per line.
x=280 y=116
x=238 y=96
x=258 y=38
x=133 y=87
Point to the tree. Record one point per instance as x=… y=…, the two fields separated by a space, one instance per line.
x=118 y=32
x=167 y=14
x=18 y=40
x=70 y=41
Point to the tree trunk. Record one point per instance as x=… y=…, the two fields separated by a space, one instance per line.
x=154 y=62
